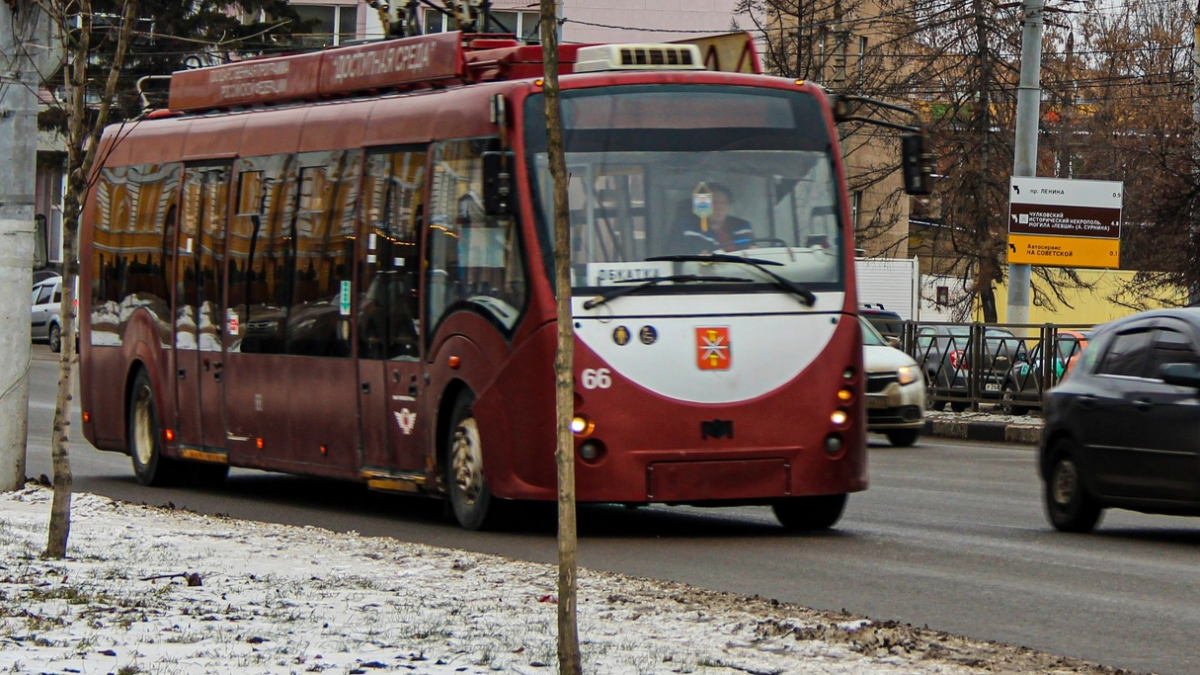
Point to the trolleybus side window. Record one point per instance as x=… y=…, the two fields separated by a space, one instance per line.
x=393 y=189
x=262 y=254
x=475 y=260
x=133 y=249
x=318 y=321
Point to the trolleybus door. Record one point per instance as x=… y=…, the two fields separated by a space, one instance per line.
x=387 y=314
x=199 y=307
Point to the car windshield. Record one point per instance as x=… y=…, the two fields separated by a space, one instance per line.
x=871 y=337
x=746 y=171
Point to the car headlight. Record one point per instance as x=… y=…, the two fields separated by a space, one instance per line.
x=907 y=374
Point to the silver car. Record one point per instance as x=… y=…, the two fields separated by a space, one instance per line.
x=895 y=390
x=45 y=325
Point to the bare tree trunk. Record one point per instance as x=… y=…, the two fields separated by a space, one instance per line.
x=81 y=152
x=564 y=360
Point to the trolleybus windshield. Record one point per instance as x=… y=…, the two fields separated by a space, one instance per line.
x=684 y=171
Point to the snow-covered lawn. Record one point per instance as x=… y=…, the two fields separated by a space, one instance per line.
x=157 y=590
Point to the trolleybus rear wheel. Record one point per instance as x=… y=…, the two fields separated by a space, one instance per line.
x=473 y=506
x=145 y=437
x=803 y=514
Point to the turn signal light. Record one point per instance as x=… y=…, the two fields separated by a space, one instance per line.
x=87 y=417
x=845 y=395
x=169 y=434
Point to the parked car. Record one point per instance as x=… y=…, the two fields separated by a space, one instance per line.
x=889 y=324
x=1025 y=386
x=45 y=324
x=1122 y=430
x=946 y=357
x=895 y=390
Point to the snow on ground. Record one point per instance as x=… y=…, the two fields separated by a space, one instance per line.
x=159 y=591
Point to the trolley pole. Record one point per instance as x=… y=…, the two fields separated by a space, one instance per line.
x=20 y=56
x=1029 y=95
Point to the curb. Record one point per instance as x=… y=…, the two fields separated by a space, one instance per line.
x=997 y=432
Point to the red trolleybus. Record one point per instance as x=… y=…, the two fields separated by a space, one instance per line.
x=339 y=264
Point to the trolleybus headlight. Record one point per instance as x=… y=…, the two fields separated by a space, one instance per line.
x=591 y=450
x=582 y=426
x=907 y=374
x=839 y=418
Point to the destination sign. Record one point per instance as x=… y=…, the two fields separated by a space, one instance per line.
x=1058 y=222
x=1043 y=251
x=1070 y=221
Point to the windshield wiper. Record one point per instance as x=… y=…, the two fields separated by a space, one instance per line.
x=806 y=296
x=626 y=290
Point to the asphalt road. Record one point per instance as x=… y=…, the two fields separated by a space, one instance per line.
x=950 y=535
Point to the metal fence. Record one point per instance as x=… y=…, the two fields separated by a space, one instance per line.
x=1009 y=367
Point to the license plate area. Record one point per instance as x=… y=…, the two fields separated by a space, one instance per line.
x=730 y=479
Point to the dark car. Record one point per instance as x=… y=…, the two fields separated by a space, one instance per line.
x=889 y=324
x=1122 y=431
x=1029 y=380
x=947 y=357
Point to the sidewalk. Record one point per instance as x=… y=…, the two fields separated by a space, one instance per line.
x=984 y=426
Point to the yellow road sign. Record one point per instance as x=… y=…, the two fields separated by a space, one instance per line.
x=1048 y=251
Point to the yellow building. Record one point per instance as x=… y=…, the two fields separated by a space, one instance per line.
x=1086 y=306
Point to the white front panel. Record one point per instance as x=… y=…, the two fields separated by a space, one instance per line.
x=771 y=339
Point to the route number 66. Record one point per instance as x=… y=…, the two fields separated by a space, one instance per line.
x=596 y=378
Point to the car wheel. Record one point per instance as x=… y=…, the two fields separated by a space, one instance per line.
x=55 y=339
x=150 y=467
x=931 y=401
x=1069 y=505
x=903 y=438
x=805 y=514
x=472 y=503
x=1008 y=401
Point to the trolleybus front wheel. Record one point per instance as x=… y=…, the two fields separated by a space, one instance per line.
x=472 y=503
x=804 y=514
x=145 y=437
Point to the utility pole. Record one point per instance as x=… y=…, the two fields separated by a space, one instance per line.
x=1066 y=134
x=1194 y=257
x=25 y=48
x=1029 y=95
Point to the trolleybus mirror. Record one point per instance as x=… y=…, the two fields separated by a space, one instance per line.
x=497 y=183
x=918 y=167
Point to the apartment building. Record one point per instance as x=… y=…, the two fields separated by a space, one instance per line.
x=585 y=21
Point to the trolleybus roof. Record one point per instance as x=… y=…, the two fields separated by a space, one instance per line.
x=440 y=59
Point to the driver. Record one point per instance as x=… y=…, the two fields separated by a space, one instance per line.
x=724 y=232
